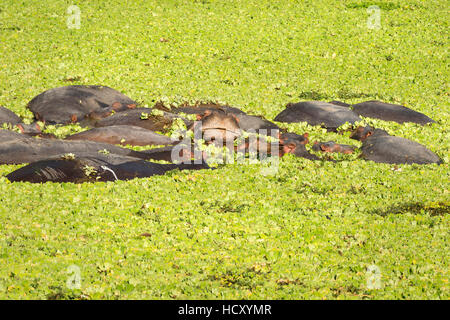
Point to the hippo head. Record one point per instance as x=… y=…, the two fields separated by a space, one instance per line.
x=329 y=146
x=29 y=129
x=288 y=137
x=218 y=125
x=362 y=133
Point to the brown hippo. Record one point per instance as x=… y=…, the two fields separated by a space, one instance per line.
x=216 y=126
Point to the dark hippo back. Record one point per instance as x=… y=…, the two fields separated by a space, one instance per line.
x=9 y=117
x=18 y=148
x=124 y=135
x=93 y=167
x=141 y=117
x=317 y=113
x=200 y=108
x=390 y=112
x=72 y=103
x=384 y=148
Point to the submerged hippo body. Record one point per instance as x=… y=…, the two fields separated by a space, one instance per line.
x=390 y=112
x=180 y=152
x=256 y=124
x=200 y=108
x=140 y=117
x=316 y=113
x=340 y=103
x=93 y=167
x=8 y=117
x=73 y=103
x=124 y=135
x=331 y=146
x=16 y=148
x=379 y=146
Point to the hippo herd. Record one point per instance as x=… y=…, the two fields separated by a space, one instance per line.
x=114 y=120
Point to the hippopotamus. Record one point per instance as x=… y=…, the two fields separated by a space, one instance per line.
x=12 y=120
x=390 y=112
x=8 y=117
x=288 y=137
x=71 y=104
x=340 y=103
x=93 y=116
x=331 y=146
x=379 y=146
x=16 y=148
x=141 y=117
x=92 y=167
x=180 y=152
x=316 y=113
x=216 y=126
x=124 y=135
x=199 y=108
x=298 y=149
x=256 y=124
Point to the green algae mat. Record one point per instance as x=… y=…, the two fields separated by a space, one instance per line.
x=353 y=229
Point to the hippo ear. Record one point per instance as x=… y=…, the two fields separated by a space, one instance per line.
x=73 y=118
x=289 y=148
x=235 y=118
x=131 y=106
x=22 y=130
x=36 y=125
x=205 y=114
x=116 y=105
x=306 y=136
x=325 y=147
